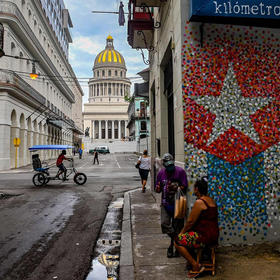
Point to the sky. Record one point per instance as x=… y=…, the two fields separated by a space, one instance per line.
x=89 y=35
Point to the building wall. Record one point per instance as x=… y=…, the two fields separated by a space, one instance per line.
x=227 y=103
x=231 y=119
x=28 y=34
x=167 y=38
x=99 y=112
x=139 y=120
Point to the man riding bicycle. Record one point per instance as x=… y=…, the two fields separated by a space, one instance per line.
x=60 y=165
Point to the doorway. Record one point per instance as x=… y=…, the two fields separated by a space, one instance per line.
x=168 y=91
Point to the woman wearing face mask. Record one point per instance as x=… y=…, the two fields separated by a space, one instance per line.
x=168 y=180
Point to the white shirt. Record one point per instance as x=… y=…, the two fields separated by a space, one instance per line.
x=145 y=163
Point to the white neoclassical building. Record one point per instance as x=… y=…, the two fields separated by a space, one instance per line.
x=47 y=110
x=106 y=113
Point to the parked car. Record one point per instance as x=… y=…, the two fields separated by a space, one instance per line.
x=100 y=149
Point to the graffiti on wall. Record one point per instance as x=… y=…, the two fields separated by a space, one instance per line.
x=231 y=94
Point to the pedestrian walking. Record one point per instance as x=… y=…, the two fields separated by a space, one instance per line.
x=80 y=153
x=95 y=154
x=169 y=179
x=201 y=228
x=144 y=163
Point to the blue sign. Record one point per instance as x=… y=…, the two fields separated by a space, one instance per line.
x=242 y=12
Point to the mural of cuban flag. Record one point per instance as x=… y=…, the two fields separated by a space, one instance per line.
x=231 y=96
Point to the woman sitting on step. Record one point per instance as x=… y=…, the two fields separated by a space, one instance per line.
x=201 y=228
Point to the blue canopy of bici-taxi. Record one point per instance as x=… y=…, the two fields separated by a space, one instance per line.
x=50 y=147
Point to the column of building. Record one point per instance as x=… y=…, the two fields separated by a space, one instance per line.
x=97 y=129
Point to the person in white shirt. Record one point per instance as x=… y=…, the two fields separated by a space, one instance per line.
x=144 y=168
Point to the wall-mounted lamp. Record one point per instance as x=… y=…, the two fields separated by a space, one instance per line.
x=33 y=75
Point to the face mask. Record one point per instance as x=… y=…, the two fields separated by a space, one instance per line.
x=170 y=168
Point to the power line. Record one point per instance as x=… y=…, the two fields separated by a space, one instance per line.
x=65 y=77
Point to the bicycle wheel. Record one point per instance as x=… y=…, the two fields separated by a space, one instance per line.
x=80 y=178
x=39 y=179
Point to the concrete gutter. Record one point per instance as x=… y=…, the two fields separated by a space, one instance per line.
x=126 y=256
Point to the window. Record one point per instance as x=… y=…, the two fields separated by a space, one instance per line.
x=109 y=73
x=142 y=109
x=143 y=126
x=97 y=73
x=103 y=73
x=116 y=73
x=121 y=73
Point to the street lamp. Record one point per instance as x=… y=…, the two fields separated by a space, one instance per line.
x=33 y=75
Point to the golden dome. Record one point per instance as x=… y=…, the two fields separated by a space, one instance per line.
x=109 y=56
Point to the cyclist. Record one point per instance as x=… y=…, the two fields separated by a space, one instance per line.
x=60 y=165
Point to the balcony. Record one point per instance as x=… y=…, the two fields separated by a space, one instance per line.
x=148 y=3
x=140 y=27
x=142 y=115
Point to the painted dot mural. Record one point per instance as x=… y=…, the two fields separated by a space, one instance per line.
x=231 y=97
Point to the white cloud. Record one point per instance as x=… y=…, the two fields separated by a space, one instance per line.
x=89 y=38
x=134 y=59
x=87 y=44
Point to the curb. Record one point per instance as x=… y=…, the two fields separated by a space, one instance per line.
x=126 y=256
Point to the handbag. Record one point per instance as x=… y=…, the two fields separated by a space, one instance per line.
x=137 y=165
x=180 y=205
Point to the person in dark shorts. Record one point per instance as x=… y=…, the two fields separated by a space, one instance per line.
x=95 y=154
x=169 y=179
x=60 y=165
x=144 y=168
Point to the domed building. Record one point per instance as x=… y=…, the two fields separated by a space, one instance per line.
x=105 y=115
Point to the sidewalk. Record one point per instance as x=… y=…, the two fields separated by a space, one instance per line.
x=143 y=249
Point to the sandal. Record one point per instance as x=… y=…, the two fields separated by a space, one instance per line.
x=170 y=252
x=194 y=274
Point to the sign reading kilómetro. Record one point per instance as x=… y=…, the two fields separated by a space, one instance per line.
x=242 y=12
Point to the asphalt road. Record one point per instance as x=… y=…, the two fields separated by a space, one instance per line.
x=50 y=232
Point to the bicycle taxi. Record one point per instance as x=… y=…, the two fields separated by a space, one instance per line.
x=42 y=175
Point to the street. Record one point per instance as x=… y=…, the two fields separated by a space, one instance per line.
x=50 y=232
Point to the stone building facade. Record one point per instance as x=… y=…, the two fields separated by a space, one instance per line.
x=47 y=110
x=106 y=113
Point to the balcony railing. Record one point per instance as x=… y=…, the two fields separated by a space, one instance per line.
x=149 y=3
x=142 y=115
x=140 y=26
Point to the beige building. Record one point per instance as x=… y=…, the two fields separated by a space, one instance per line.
x=47 y=110
x=105 y=116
